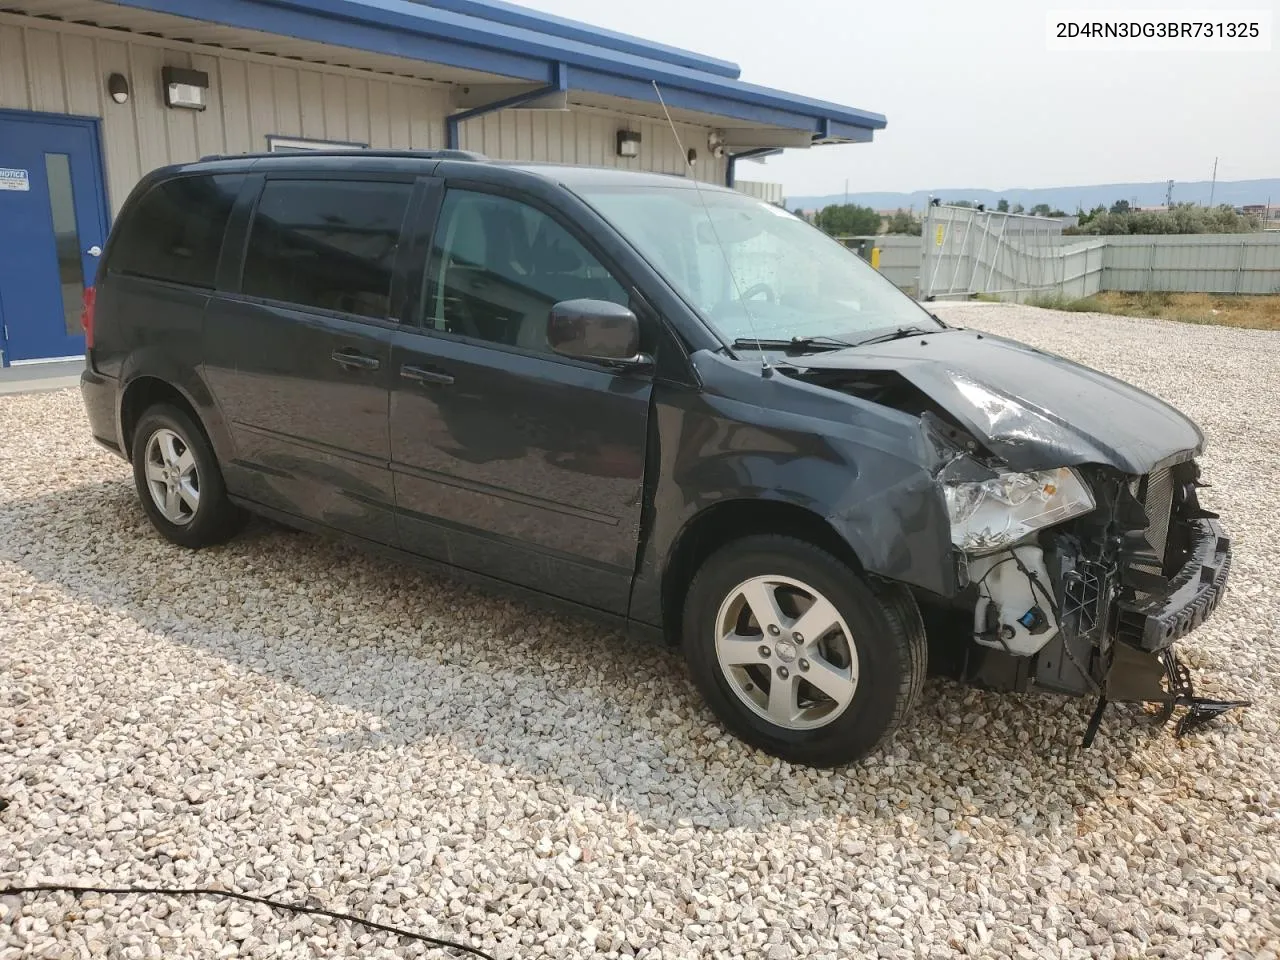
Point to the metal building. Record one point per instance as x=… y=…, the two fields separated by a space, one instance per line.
x=95 y=93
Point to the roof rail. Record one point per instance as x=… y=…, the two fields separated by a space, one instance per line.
x=407 y=154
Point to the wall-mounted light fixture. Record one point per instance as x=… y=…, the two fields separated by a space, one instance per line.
x=692 y=157
x=184 y=88
x=628 y=143
x=118 y=87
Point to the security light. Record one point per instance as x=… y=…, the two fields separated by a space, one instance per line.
x=628 y=143
x=118 y=87
x=184 y=88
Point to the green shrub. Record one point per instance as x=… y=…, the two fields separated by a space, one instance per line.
x=1183 y=218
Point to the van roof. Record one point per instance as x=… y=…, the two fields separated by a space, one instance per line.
x=566 y=174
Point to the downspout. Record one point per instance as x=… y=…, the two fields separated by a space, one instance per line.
x=560 y=84
x=730 y=168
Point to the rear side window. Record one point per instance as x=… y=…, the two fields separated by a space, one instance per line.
x=326 y=244
x=174 y=233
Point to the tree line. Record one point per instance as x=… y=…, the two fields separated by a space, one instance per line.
x=853 y=220
x=1120 y=219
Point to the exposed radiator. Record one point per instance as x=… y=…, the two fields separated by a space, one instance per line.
x=1157 y=500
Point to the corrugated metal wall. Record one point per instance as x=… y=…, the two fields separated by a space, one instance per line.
x=1203 y=263
x=963 y=253
x=588 y=137
x=63 y=68
x=761 y=190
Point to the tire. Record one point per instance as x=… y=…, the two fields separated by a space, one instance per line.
x=884 y=666
x=199 y=515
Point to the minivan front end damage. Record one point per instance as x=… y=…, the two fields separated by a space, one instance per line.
x=1080 y=551
x=1095 y=605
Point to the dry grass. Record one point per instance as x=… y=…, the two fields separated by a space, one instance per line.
x=1254 y=313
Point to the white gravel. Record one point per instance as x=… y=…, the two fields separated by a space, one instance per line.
x=288 y=717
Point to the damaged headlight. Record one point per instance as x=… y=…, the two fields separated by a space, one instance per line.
x=989 y=515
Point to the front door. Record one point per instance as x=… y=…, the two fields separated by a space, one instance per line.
x=508 y=459
x=52 y=228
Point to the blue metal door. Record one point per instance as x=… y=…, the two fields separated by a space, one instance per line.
x=53 y=225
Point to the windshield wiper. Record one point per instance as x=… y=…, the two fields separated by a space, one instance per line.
x=794 y=345
x=899 y=333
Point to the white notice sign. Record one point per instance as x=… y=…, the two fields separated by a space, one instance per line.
x=13 y=179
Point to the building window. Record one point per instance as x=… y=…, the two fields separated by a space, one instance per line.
x=326 y=244
x=302 y=145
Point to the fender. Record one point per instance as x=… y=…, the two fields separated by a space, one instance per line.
x=868 y=471
x=155 y=362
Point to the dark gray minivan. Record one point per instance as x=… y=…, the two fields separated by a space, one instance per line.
x=670 y=406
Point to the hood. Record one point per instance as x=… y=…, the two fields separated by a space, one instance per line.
x=1032 y=409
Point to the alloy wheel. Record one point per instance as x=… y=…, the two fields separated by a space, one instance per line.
x=172 y=478
x=787 y=652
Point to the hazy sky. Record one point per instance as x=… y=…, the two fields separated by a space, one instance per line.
x=972 y=95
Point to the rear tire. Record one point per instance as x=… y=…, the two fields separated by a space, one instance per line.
x=179 y=481
x=841 y=692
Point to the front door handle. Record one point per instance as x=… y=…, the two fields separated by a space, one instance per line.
x=422 y=375
x=353 y=360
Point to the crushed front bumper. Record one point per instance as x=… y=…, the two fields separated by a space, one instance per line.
x=1142 y=664
x=1154 y=624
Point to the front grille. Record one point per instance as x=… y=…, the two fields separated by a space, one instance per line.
x=1157 y=501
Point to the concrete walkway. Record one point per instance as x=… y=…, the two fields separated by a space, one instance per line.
x=35 y=377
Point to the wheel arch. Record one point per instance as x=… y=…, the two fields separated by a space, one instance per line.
x=144 y=392
x=729 y=520
x=149 y=385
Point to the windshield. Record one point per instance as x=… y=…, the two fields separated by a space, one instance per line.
x=752 y=269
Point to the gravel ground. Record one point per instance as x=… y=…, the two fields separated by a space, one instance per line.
x=288 y=717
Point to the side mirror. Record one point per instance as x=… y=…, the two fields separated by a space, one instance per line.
x=597 y=330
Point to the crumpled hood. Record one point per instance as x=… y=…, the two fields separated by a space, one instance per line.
x=1033 y=409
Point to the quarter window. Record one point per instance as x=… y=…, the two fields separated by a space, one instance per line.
x=175 y=231
x=326 y=244
x=498 y=266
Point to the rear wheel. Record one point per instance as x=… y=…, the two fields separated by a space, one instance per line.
x=178 y=480
x=799 y=656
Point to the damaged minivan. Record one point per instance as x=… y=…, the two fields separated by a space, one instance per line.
x=669 y=406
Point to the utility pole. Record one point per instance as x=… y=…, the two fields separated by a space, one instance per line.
x=1214 y=182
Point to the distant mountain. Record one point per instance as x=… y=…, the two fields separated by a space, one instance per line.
x=1235 y=192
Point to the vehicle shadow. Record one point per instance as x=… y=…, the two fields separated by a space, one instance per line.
x=421 y=658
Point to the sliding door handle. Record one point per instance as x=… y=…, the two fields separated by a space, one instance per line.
x=422 y=375
x=353 y=360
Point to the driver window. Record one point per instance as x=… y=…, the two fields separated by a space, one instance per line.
x=497 y=267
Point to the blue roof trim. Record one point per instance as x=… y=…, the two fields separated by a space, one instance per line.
x=409 y=29
x=353 y=32
x=497 y=11
x=642 y=90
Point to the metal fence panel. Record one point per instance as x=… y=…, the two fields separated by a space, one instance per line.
x=1015 y=256
x=1194 y=263
x=899 y=256
x=965 y=251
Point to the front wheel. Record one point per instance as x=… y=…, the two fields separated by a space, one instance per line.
x=799 y=656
